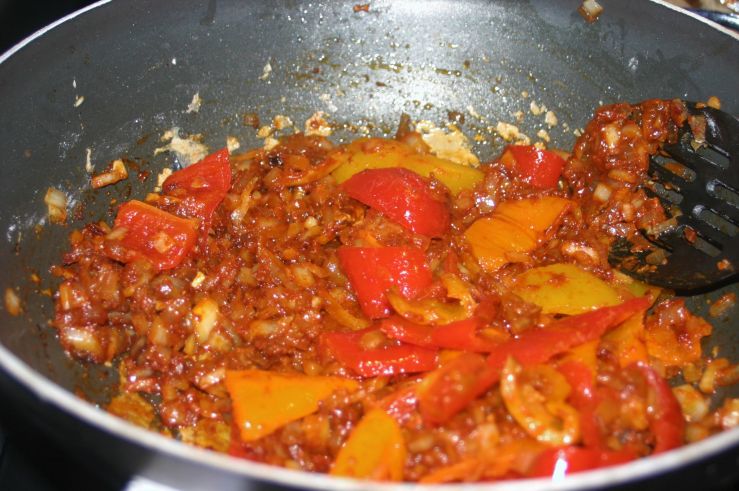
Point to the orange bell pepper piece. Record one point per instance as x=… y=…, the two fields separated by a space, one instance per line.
x=515 y=228
x=673 y=334
x=265 y=401
x=536 y=215
x=627 y=341
x=375 y=449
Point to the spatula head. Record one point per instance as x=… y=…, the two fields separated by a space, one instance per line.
x=700 y=178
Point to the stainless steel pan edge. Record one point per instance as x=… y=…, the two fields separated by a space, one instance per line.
x=171 y=462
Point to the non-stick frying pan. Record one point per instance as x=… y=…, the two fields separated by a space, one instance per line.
x=114 y=77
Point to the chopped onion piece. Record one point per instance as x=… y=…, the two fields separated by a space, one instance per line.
x=590 y=10
x=622 y=176
x=714 y=102
x=302 y=276
x=70 y=297
x=82 y=340
x=117 y=233
x=117 y=173
x=663 y=227
x=56 y=201
x=245 y=202
x=211 y=378
x=692 y=373
x=693 y=403
x=198 y=280
x=158 y=333
x=232 y=143
x=206 y=316
x=263 y=328
x=336 y=310
x=602 y=192
x=12 y=302
x=728 y=376
x=581 y=251
x=695 y=432
x=708 y=381
x=729 y=414
x=612 y=136
x=317 y=125
x=722 y=305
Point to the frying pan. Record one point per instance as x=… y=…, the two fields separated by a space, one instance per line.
x=113 y=77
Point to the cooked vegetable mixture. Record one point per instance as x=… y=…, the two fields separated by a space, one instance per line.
x=372 y=310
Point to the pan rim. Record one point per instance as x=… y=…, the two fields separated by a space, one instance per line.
x=49 y=392
x=700 y=18
x=27 y=40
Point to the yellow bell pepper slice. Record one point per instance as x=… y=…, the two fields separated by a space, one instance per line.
x=565 y=289
x=514 y=228
x=374 y=450
x=265 y=401
x=535 y=397
x=433 y=310
x=586 y=353
x=379 y=153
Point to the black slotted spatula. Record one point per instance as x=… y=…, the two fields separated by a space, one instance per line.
x=700 y=191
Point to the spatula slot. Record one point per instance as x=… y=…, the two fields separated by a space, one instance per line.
x=706 y=247
x=716 y=221
x=721 y=191
x=677 y=169
x=698 y=240
x=714 y=155
x=664 y=193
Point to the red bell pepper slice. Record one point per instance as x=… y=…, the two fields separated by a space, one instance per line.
x=451 y=387
x=387 y=360
x=153 y=234
x=403 y=196
x=558 y=462
x=538 y=345
x=459 y=335
x=537 y=167
x=451 y=263
x=666 y=420
x=372 y=271
x=585 y=399
x=531 y=347
x=401 y=403
x=201 y=186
